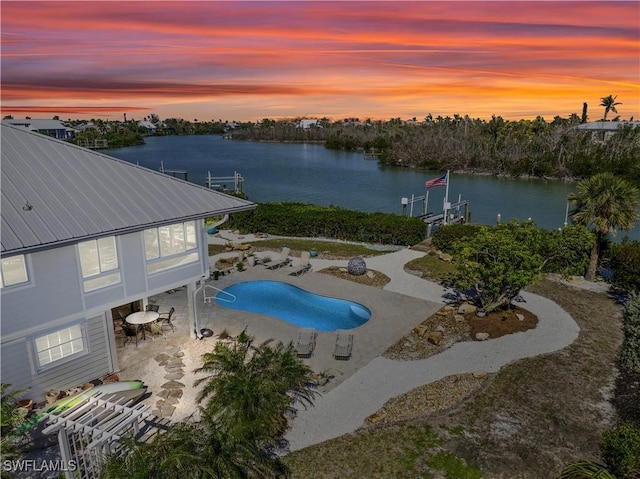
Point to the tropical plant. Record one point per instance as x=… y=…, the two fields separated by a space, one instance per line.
x=604 y=203
x=585 y=470
x=494 y=265
x=254 y=387
x=10 y=419
x=609 y=103
x=193 y=450
x=630 y=349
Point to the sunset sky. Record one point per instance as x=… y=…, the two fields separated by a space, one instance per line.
x=242 y=61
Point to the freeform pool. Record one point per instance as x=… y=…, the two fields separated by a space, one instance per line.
x=294 y=305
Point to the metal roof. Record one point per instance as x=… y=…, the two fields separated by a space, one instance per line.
x=55 y=193
x=607 y=125
x=36 y=124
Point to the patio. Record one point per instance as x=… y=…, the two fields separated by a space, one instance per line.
x=393 y=315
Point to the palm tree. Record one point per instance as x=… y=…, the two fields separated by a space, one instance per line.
x=609 y=103
x=254 y=387
x=604 y=203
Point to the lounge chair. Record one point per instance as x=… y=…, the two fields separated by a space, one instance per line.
x=284 y=260
x=306 y=343
x=344 y=346
x=304 y=266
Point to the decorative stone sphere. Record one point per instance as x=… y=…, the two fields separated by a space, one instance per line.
x=357 y=266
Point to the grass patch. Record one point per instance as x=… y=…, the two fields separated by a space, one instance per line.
x=215 y=249
x=432 y=268
x=389 y=452
x=326 y=249
x=453 y=467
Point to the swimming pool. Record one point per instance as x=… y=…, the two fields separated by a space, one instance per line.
x=294 y=305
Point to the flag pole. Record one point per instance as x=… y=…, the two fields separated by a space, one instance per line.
x=445 y=207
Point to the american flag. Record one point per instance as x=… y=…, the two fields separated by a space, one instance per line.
x=442 y=181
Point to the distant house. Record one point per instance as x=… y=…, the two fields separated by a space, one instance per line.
x=53 y=128
x=148 y=126
x=308 y=123
x=604 y=129
x=85 y=236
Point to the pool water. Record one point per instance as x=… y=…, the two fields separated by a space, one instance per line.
x=294 y=305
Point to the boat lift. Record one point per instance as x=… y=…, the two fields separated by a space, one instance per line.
x=220 y=182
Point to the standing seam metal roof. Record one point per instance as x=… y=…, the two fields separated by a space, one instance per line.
x=78 y=194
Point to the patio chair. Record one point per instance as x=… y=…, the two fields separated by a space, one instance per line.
x=284 y=260
x=165 y=319
x=304 y=266
x=156 y=329
x=131 y=333
x=344 y=346
x=152 y=307
x=306 y=343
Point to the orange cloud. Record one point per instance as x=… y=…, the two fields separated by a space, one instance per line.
x=516 y=59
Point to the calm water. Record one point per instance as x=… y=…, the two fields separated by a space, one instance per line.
x=313 y=174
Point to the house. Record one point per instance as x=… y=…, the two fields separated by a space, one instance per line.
x=308 y=123
x=149 y=127
x=54 y=128
x=85 y=235
x=604 y=129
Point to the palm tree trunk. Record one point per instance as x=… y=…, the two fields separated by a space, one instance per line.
x=593 y=260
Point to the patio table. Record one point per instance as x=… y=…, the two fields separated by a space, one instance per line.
x=141 y=318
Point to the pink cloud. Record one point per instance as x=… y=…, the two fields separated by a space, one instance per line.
x=506 y=56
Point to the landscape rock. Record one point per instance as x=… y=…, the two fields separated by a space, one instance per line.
x=465 y=308
x=435 y=337
x=446 y=257
x=520 y=316
x=420 y=330
x=482 y=336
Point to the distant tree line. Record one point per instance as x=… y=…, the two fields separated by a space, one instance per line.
x=535 y=148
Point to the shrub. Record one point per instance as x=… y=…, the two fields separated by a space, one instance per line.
x=630 y=349
x=445 y=236
x=620 y=450
x=304 y=220
x=625 y=263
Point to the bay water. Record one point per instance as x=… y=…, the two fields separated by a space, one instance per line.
x=309 y=173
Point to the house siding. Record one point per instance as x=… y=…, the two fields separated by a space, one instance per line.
x=55 y=298
x=20 y=370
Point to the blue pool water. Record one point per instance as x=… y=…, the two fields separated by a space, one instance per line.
x=294 y=305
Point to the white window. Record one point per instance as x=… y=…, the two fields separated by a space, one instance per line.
x=170 y=246
x=61 y=344
x=14 y=271
x=99 y=263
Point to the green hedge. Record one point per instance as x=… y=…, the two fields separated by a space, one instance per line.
x=312 y=221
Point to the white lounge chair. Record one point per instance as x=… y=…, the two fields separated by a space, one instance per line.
x=344 y=346
x=284 y=259
x=306 y=343
x=304 y=266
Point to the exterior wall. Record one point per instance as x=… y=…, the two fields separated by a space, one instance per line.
x=54 y=298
